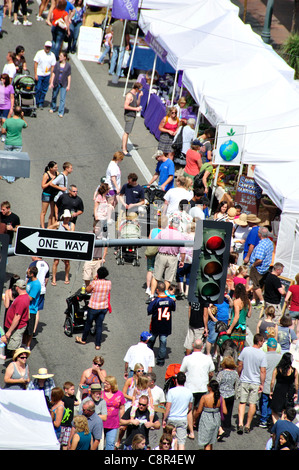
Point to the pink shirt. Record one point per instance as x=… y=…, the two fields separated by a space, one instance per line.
x=5 y=92
x=113 y=405
x=99 y=298
x=171 y=234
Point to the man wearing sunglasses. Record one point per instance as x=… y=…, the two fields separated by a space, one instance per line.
x=140 y=424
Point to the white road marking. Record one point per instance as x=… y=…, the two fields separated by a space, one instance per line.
x=110 y=116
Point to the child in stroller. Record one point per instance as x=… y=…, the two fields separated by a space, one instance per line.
x=24 y=87
x=129 y=229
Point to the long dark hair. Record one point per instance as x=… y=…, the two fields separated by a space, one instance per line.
x=285 y=363
x=240 y=293
x=214 y=386
x=50 y=165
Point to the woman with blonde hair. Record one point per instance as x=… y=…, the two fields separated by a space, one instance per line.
x=82 y=438
x=173 y=196
x=168 y=128
x=115 y=402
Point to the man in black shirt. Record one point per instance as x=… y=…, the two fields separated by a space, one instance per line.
x=198 y=324
x=72 y=202
x=140 y=424
x=274 y=289
x=11 y=220
x=132 y=195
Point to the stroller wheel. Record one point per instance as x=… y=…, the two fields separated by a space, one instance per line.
x=118 y=261
x=122 y=261
x=68 y=327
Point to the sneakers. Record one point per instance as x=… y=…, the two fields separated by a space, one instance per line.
x=39 y=18
x=262 y=425
x=148 y=291
x=27 y=23
x=17 y=22
x=3 y=138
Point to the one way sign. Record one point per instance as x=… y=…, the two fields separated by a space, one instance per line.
x=54 y=244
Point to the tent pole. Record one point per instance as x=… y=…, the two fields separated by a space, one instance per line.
x=293 y=247
x=152 y=78
x=214 y=187
x=197 y=123
x=131 y=61
x=174 y=87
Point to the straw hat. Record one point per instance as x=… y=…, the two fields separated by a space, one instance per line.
x=42 y=374
x=19 y=351
x=242 y=220
x=253 y=219
x=231 y=213
x=65 y=214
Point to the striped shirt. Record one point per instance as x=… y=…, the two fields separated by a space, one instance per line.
x=262 y=251
x=99 y=298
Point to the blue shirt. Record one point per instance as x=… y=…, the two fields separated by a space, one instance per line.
x=262 y=251
x=252 y=239
x=33 y=289
x=164 y=170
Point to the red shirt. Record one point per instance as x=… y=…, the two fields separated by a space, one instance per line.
x=294 y=306
x=20 y=306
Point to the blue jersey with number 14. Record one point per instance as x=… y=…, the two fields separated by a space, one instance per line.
x=161 y=309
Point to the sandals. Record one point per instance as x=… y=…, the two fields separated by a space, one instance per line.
x=79 y=340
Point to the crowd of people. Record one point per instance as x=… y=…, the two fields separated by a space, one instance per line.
x=218 y=368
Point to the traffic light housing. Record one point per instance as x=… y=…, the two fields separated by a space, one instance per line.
x=210 y=261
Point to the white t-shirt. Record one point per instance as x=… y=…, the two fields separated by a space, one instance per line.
x=113 y=170
x=174 y=196
x=158 y=395
x=140 y=353
x=197 y=212
x=44 y=62
x=179 y=397
x=197 y=367
x=10 y=69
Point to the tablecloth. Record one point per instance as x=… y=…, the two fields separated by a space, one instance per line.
x=153 y=115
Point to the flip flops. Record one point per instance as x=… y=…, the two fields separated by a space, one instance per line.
x=79 y=340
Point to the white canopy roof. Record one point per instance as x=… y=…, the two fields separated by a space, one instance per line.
x=151 y=4
x=26 y=423
x=206 y=34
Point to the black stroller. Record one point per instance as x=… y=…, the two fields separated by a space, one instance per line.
x=24 y=86
x=154 y=200
x=76 y=313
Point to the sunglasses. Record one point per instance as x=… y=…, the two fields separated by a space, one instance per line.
x=23 y=357
x=140 y=370
x=166 y=443
x=142 y=404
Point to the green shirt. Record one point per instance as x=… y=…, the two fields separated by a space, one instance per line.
x=14 y=128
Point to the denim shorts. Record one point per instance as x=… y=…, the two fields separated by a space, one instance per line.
x=4 y=113
x=46 y=197
x=294 y=315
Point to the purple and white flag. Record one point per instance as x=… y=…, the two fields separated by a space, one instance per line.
x=125 y=9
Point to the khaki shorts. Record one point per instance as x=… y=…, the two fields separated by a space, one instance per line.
x=129 y=123
x=255 y=277
x=165 y=267
x=249 y=393
x=90 y=269
x=16 y=339
x=192 y=335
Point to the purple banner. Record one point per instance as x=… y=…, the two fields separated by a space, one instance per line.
x=125 y=9
x=155 y=46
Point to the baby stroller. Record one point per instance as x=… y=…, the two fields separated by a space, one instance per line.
x=76 y=313
x=129 y=228
x=170 y=376
x=154 y=200
x=24 y=86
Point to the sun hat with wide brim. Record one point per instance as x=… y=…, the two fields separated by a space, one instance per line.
x=242 y=220
x=42 y=374
x=66 y=214
x=231 y=213
x=253 y=219
x=20 y=351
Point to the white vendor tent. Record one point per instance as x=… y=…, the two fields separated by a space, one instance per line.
x=254 y=94
x=151 y=4
x=25 y=421
x=281 y=183
x=207 y=34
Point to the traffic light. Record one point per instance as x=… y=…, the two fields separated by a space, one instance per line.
x=210 y=261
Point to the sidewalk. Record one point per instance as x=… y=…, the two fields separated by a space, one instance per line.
x=255 y=16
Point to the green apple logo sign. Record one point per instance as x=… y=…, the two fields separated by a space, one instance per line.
x=229 y=149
